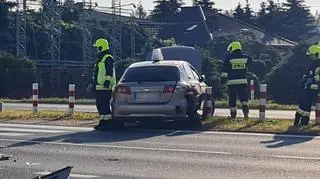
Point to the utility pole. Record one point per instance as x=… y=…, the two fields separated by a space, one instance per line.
x=116 y=29
x=86 y=28
x=132 y=35
x=21 y=23
x=53 y=17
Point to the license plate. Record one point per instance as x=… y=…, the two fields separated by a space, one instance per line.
x=146 y=95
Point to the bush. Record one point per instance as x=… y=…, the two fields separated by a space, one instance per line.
x=211 y=68
x=16 y=73
x=283 y=79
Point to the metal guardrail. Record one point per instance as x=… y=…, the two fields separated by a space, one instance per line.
x=49 y=63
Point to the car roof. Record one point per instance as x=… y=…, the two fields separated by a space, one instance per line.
x=184 y=53
x=158 y=63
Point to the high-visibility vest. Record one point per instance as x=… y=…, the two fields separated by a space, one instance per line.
x=102 y=77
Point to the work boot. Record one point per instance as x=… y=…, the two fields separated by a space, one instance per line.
x=246 y=116
x=245 y=110
x=103 y=125
x=304 y=121
x=297 y=119
x=233 y=115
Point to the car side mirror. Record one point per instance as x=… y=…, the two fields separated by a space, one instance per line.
x=202 y=78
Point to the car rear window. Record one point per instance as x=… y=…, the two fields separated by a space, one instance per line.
x=151 y=74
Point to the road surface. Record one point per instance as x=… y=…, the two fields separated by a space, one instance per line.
x=138 y=153
x=278 y=114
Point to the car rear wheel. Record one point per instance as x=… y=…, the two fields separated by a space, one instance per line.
x=117 y=123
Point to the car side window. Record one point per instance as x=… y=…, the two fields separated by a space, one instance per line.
x=195 y=74
x=183 y=71
x=188 y=71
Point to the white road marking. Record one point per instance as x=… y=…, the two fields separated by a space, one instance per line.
x=46 y=127
x=154 y=149
x=71 y=175
x=230 y=133
x=13 y=134
x=30 y=130
x=70 y=129
x=29 y=164
x=297 y=157
x=173 y=133
x=121 y=147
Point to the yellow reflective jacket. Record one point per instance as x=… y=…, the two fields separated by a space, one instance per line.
x=105 y=76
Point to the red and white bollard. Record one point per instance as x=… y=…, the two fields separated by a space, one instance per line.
x=72 y=99
x=318 y=109
x=251 y=90
x=263 y=101
x=35 y=97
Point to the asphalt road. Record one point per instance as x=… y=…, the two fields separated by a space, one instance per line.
x=279 y=114
x=138 y=153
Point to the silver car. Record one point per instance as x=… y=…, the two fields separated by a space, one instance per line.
x=157 y=90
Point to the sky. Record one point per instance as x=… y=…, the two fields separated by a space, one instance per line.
x=223 y=4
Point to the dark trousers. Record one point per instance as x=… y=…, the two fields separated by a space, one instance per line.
x=305 y=103
x=103 y=98
x=235 y=91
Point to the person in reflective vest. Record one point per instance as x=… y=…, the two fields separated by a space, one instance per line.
x=104 y=79
x=310 y=87
x=234 y=73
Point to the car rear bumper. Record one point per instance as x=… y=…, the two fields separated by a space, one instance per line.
x=149 y=110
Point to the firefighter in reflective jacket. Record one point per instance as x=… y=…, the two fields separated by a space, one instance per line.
x=234 y=73
x=310 y=86
x=104 y=79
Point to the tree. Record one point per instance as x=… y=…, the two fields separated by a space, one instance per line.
x=169 y=42
x=248 y=13
x=283 y=79
x=164 y=10
x=211 y=69
x=297 y=19
x=262 y=13
x=71 y=11
x=263 y=10
x=17 y=73
x=317 y=17
x=206 y=4
x=7 y=30
x=140 y=12
x=270 y=17
x=239 y=12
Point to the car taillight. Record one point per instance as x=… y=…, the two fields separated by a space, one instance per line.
x=168 y=89
x=123 y=89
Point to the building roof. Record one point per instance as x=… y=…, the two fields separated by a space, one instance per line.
x=198 y=26
x=225 y=25
x=312 y=37
x=190 y=27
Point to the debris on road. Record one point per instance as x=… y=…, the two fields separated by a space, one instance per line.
x=5 y=157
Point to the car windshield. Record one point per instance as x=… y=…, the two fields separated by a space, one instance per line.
x=151 y=74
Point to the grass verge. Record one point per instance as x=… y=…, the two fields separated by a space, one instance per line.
x=256 y=104
x=45 y=115
x=214 y=124
x=219 y=103
x=267 y=126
